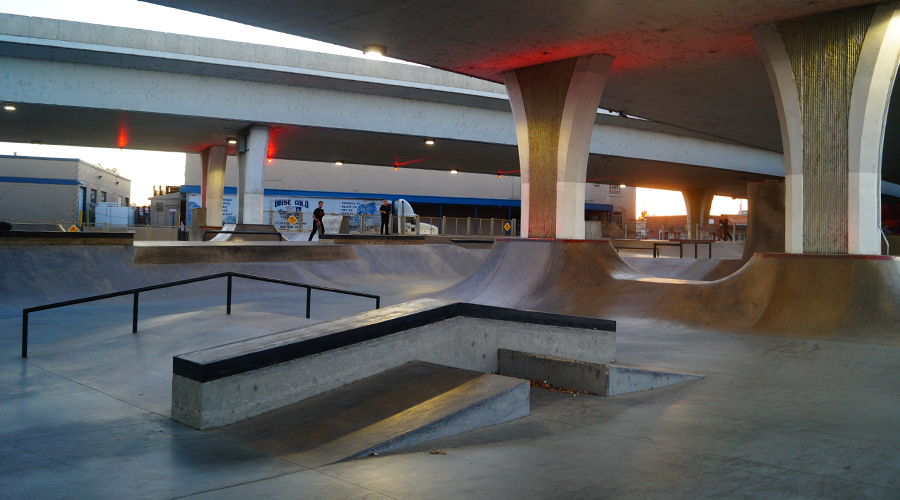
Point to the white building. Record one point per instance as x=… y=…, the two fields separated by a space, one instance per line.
x=66 y=190
x=433 y=194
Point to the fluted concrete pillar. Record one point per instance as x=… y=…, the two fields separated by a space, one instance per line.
x=832 y=75
x=697 y=202
x=554 y=106
x=253 y=149
x=212 y=183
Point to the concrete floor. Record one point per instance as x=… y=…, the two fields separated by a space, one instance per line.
x=86 y=416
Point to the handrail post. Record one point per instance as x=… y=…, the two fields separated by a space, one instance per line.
x=378 y=302
x=228 y=307
x=134 y=314
x=24 y=334
x=308 y=298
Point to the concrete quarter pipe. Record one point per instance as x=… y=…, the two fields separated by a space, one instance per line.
x=843 y=298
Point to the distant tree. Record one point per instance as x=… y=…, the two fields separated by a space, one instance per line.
x=644 y=215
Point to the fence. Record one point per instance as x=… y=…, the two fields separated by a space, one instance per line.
x=640 y=230
x=457 y=226
x=141 y=233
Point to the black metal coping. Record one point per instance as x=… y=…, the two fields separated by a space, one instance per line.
x=463 y=240
x=371 y=237
x=64 y=234
x=253 y=354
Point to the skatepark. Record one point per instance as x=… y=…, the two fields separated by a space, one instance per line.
x=777 y=408
x=551 y=362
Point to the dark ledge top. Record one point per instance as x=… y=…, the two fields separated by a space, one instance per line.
x=408 y=237
x=247 y=355
x=64 y=234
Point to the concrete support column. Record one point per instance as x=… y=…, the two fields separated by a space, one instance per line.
x=253 y=150
x=832 y=75
x=554 y=106
x=212 y=184
x=697 y=202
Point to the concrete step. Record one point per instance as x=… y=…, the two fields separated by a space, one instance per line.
x=403 y=406
x=605 y=379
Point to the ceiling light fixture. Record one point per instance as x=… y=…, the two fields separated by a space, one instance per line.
x=430 y=142
x=270 y=160
x=375 y=51
x=231 y=140
x=621 y=185
x=9 y=107
x=339 y=162
x=453 y=171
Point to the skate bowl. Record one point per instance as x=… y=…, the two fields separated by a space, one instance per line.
x=844 y=298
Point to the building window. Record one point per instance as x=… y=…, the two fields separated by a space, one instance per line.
x=118 y=201
x=93 y=196
x=126 y=202
x=102 y=196
x=615 y=191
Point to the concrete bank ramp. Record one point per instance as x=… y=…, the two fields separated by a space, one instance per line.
x=35 y=275
x=403 y=406
x=686 y=269
x=848 y=298
x=272 y=234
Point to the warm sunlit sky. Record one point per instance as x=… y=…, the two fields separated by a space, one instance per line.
x=147 y=168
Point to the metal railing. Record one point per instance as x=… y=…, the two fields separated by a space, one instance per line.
x=656 y=231
x=137 y=291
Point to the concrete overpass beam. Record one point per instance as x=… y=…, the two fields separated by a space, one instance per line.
x=554 y=106
x=697 y=202
x=832 y=75
x=253 y=150
x=212 y=183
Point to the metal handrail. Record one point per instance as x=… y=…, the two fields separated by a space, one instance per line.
x=137 y=291
x=277 y=234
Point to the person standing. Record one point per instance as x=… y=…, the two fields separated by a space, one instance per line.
x=725 y=226
x=318 y=214
x=385 y=218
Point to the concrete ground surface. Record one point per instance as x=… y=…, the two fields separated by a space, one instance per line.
x=86 y=415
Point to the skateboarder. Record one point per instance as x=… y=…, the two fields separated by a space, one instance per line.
x=318 y=214
x=725 y=226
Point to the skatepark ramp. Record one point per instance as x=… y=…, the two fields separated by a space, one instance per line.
x=403 y=406
x=839 y=297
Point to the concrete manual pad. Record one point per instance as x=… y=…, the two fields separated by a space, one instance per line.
x=403 y=406
x=598 y=378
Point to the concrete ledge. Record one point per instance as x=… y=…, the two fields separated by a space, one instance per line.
x=273 y=251
x=64 y=238
x=598 y=378
x=230 y=383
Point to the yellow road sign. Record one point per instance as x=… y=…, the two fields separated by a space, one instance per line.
x=292 y=219
x=506 y=226
x=73 y=229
